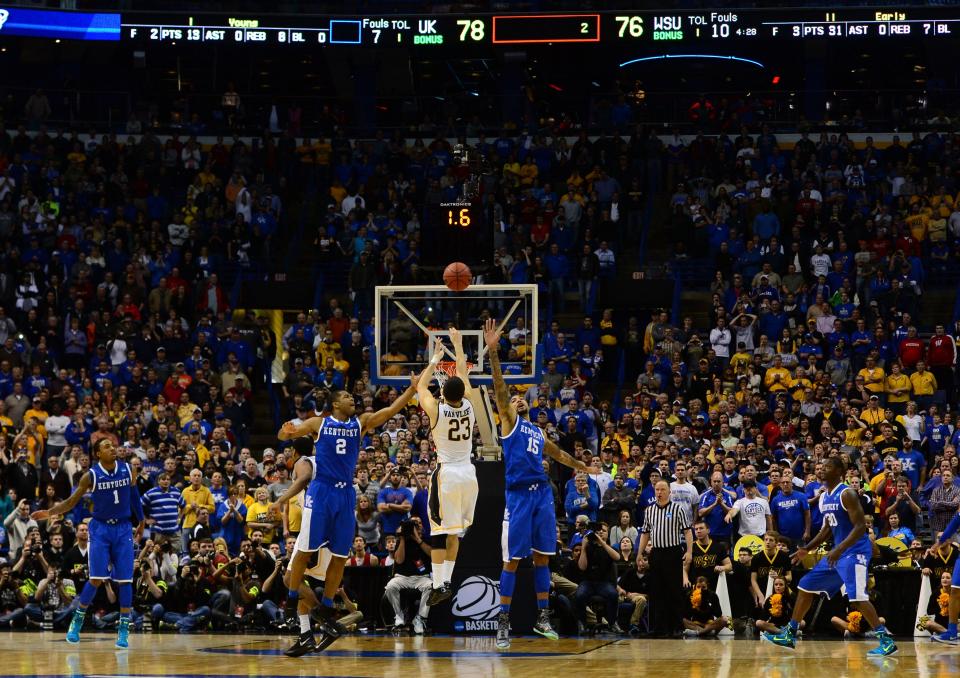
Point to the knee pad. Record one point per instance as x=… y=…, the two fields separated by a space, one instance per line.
x=438 y=541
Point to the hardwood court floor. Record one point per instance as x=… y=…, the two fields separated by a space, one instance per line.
x=47 y=654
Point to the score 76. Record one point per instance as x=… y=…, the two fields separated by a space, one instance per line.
x=631 y=24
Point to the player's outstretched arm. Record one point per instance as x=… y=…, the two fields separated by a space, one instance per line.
x=552 y=450
x=427 y=402
x=83 y=487
x=289 y=430
x=461 y=359
x=508 y=415
x=371 y=420
x=303 y=471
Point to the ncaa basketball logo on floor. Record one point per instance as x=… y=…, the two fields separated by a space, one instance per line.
x=476 y=605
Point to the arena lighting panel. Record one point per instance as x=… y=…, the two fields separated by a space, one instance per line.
x=523 y=29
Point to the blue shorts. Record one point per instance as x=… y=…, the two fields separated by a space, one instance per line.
x=111 y=550
x=955 y=582
x=529 y=523
x=329 y=520
x=849 y=576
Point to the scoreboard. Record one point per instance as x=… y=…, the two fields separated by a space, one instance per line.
x=608 y=28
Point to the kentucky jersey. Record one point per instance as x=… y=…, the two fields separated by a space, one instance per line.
x=111 y=493
x=849 y=574
x=111 y=535
x=328 y=506
x=529 y=519
x=836 y=516
x=336 y=450
x=523 y=454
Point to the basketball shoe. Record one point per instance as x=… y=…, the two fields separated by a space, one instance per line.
x=503 y=631
x=543 y=626
x=886 y=648
x=785 y=638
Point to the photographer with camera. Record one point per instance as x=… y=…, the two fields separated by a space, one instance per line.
x=411 y=570
x=29 y=564
x=12 y=598
x=186 y=605
x=51 y=601
x=597 y=562
x=233 y=607
x=148 y=590
x=74 y=564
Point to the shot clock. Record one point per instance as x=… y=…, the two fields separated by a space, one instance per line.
x=458 y=214
x=455 y=232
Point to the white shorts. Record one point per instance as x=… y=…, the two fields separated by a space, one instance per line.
x=452 y=498
x=303 y=537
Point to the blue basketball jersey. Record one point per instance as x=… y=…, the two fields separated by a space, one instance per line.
x=836 y=516
x=523 y=454
x=336 y=450
x=111 y=492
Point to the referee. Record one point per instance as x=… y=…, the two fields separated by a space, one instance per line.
x=667 y=529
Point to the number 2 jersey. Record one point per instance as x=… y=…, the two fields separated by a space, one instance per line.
x=523 y=455
x=336 y=451
x=836 y=516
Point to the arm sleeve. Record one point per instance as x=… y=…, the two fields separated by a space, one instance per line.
x=135 y=503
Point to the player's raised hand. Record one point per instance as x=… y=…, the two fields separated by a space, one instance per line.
x=289 y=428
x=491 y=334
x=455 y=337
x=798 y=555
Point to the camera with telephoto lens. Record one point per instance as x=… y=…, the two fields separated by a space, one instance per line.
x=35 y=549
x=407 y=527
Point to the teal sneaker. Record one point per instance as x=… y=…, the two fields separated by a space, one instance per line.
x=73 y=633
x=123 y=633
x=886 y=648
x=784 y=638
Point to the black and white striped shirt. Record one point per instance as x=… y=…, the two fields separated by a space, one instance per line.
x=665 y=525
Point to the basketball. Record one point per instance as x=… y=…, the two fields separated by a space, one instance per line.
x=457 y=276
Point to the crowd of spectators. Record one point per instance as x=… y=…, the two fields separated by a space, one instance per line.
x=114 y=322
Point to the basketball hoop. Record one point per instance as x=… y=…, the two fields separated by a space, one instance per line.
x=446 y=369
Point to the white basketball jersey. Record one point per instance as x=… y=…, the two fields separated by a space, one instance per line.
x=453 y=434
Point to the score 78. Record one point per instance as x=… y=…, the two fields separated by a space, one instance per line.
x=633 y=24
x=472 y=26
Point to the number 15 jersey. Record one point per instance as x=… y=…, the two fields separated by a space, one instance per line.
x=523 y=455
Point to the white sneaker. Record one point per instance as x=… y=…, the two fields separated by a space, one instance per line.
x=398 y=621
x=690 y=633
x=419 y=626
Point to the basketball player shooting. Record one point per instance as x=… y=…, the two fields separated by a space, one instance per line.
x=529 y=521
x=843 y=568
x=328 y=508
x=452 y=496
